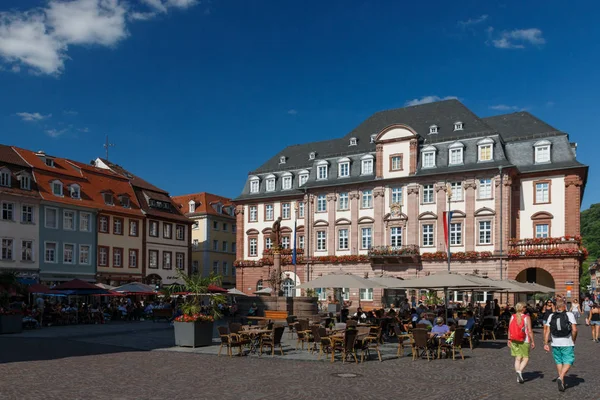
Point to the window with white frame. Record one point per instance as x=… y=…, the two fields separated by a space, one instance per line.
x=270 y=184
x=367 y=165
x=154 y=228
x=542 y=192
x=254 y=185
x=366 y=294
x=153 y=259
x=253 y=247
x=456 y=155
x=343 y=201
x=303 y=178
x=26 y=214
x=301 y=242
x=428 y=194
x=118 y=227
x=269 y=215
x=397 y=195
x=343 y=240
x=542 y=230
x=282 y=160
x=458 y=126
x=125 y=203
x=485 y=188
x=69 y=220
x=167 y=262
x=322 y=171
x=367 y=199
x=103 y=224
x=456 y=234
x=485 y=232
x=286 y=210
x=57 y=188
x=68 y=253
x=84 y=254
x=7 y=249
x=312 y=155
x=85 y=220
x=396 y=236
x=346 y=294
x=396 y=163
x=427 y=234
x=485 y=150
x=26 y=250
x=343 y=168
x=268 y=243
x=75 y=191
x=180 y=261
x=259 y=285
x=301 y=208
x=286 y=182
x=353 y=141
x=542 y=151
x=50 y=252
x=428 y=159
x=366 y=235
x=5 y=177
x=118 y=257
x=321 y=203
x=321 y=294
x=285 y=242
x=433 y=129
x=321 y=241
x=8 y=211
x=51 y=218
x=457 y=191
x=25 y=181
x=253 y=213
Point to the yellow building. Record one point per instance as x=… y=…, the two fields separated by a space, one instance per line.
x=213 y=234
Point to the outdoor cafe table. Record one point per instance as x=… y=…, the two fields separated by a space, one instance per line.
x=255 y=335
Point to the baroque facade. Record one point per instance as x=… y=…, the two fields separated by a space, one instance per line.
x=372 y=202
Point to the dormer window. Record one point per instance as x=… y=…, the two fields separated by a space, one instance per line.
x=542 y=151
x=302 y=177
x=428 y=157
x=312 y=155
x=485 y=150
x=192 y=206
x=366 y=164
x=125 y=201
x=75 y=191
x=57 y=188
x=322 y=167
x=270 y=183
x=343 y=167
x=433 y=129
x=373 y=137
x=108 y=199
x=353 y=141
x=5 y=177
x=50 y=162
x=455 y=156
x=25 y=181
x=282 y=160
x=458 y=126
x=286 y=181
x=254 y=185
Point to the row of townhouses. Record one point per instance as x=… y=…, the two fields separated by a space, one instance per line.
x=62 y=219
x=372 y=202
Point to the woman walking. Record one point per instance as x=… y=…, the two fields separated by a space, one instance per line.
x=575 y=309
x=520 y=339
x=594 y=321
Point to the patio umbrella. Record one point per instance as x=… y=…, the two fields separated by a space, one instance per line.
x=341 y=280
x=38 y=288
x=76 y=284
x=266 y=291
x=235 y=292
x=531 y=287
x=104 y=286
x=389 y=282
x=135 y=288
x=216 y=289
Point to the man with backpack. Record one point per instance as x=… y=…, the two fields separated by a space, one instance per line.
x=561 y=326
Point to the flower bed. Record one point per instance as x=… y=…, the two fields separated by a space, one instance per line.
x=548 y=240
x=391 y=251
x=457 y=256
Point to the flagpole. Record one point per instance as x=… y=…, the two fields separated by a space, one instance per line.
x=448 y=217
x=294 y=251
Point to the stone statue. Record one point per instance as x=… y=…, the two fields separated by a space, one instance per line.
x=276 y=234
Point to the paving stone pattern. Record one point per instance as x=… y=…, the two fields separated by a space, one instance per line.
x=135 y=361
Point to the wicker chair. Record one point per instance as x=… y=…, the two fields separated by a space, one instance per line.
x=304 y=334
x=346 y=347
x=421 y=343
x=239 y=341
x=372 y=341
x=401 y=341
x=292 y=323
x=321 y=339
x=456 y=344
x=224 y=335
x=488 y=327
x=272 y=340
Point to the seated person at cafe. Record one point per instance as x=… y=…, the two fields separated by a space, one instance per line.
x=440 y=329
x=359 y=314
x=253 y=310
x=470 y=322
x=424 y=320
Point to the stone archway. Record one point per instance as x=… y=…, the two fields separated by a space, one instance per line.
x=536 y=275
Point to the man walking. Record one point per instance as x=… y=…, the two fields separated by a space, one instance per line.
x=587 y=307
x=562 y=328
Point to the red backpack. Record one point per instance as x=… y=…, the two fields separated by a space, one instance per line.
x=517 y=332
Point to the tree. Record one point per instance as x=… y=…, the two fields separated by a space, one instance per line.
x=590 y=232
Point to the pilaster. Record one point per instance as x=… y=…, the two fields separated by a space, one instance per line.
x=379 y=204
x=470 y=230
x=412 y=205
x=441 y=193
x=354 y=197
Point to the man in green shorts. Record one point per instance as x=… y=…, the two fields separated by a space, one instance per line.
x=562 y=328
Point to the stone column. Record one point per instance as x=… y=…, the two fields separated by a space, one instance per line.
x=331 y=210
x=412 y=212
x=308 y=228
x=470 y=230
x=573 y=185
x=379 y=212
x=277 y=268
x=504 y=212
x=240 y=232
x=354 y=197
x=441 y=193
x=379 y=161
x=413 y=158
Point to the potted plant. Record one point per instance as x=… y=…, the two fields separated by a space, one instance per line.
x=11 y=320
x=194 y=327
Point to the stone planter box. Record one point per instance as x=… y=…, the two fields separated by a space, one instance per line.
x=193 y=334
x=11 y=323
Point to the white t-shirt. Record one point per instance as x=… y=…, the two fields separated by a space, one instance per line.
x=562 y=341
x=587 y=305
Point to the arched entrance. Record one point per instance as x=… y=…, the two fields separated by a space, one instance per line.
x=536 y=275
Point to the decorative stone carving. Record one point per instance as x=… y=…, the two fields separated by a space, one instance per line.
x=470 y=184
x=379 y=192
x=239 y=210
x=441 y=186
x=396 y=210
x=331 y=197
x=573 y=181
x=413 y=189
x=354 y=195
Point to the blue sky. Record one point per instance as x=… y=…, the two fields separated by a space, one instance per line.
x=194 y=94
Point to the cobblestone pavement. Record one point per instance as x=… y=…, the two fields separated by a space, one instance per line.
x=114 y=363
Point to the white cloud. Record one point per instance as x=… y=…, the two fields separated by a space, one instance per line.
x=427 y=99
x=54 y=133
x=518 y=38
x=40 y=38
x=25 y=116
x=292 y=112
x=473 y=21
x=503 y=107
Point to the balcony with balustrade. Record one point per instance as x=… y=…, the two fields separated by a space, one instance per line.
x=408 y=254
x=565 y=246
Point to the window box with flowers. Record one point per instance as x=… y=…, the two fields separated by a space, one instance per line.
x=456 y=256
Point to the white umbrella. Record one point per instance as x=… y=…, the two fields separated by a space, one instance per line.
x=267 y=291
x=104 y=286
x=446 y=280
x=340 y=280
x=235 y=292
x=389 y=282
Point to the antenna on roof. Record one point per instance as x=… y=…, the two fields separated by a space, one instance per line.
x=106 y=146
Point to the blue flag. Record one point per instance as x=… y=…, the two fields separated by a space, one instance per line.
x=294 y=251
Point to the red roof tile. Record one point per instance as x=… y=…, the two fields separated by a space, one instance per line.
x=204 y=204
